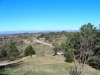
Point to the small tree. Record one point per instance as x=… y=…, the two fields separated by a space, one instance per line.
x=11 y=49
x=69 y=56
x=56 y=48
x=21 y=42
x=3 y=52
x=69 y=47
x=29 y=51
x=63 y=46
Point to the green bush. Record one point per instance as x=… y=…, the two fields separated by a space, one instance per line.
x=29 y=51
x=3 y=53
x=11 y=49
x=69 y=56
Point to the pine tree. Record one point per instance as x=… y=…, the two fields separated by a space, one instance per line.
x=29 y=51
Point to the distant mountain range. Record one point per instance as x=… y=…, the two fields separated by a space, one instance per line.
x=36 y=31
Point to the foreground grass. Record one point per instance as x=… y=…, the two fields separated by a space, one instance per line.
x=46 y=65
x=42 y=65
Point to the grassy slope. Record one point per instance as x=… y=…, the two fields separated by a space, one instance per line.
x=46 y=65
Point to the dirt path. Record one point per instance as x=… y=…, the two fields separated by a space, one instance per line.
x=44 y=43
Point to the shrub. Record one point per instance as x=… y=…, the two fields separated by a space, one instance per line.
x=11 y=49
x=69 y=56
x=3 y=53
x=29 y=51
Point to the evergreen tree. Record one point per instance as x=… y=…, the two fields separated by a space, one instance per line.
x=29 y=51
x=56 y=48
x=11 y=49
x=70 y=47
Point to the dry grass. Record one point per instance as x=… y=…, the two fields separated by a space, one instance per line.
x=45 y=65
x=39 y=48
x=47 y=62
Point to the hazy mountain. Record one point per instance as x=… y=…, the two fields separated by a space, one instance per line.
x=35 y=31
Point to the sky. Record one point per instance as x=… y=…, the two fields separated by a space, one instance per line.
x=19 y=15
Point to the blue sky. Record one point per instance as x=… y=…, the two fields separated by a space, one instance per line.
x=17 y=15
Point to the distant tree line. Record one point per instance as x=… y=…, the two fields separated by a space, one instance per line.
x=52 y=35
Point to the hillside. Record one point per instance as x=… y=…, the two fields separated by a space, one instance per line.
x=43 y=62
x=45 y=65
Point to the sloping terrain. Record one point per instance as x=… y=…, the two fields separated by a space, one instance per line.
x=45 y=65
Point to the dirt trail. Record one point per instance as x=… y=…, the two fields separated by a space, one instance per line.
x=43 y=43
